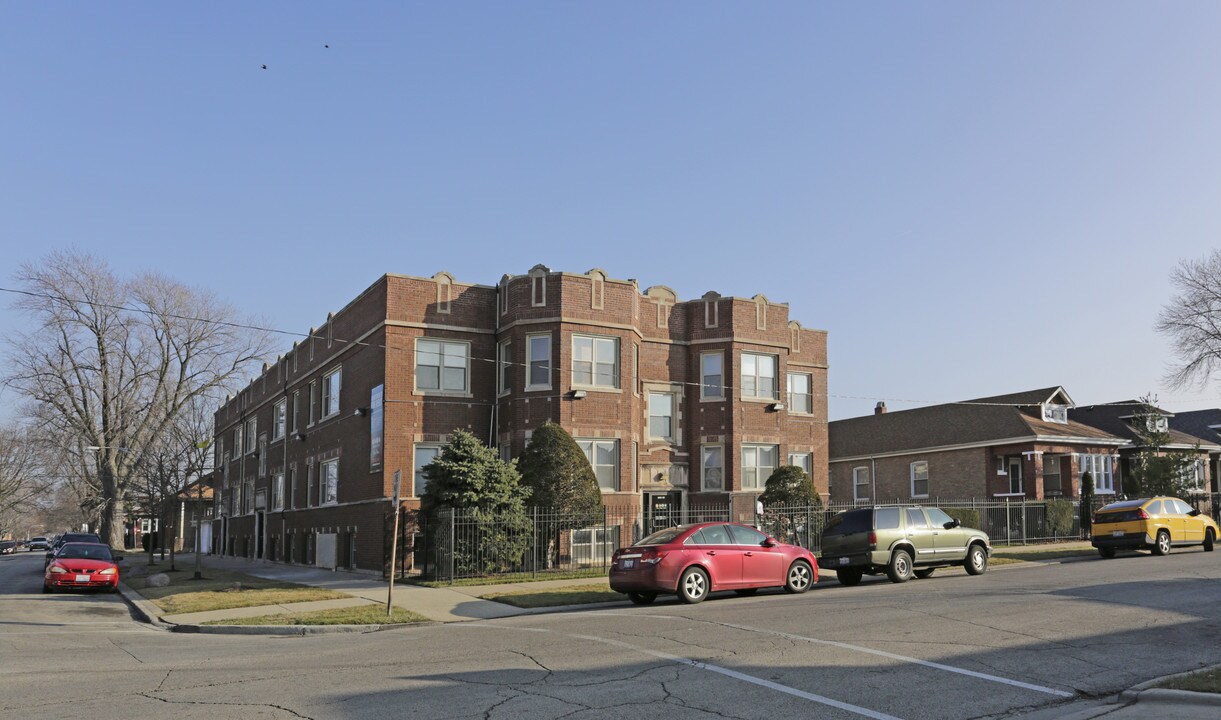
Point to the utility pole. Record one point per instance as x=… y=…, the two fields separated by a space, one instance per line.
x=202 y=445
x=394 y=546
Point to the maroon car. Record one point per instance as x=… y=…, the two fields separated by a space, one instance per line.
x=694 y=560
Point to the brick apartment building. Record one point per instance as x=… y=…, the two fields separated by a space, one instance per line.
x=676 y=403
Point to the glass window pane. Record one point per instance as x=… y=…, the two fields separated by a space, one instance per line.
x=715 y=535
x=767 y=366
x=606 y=454
x=745 y=536
x=767 y=456
x=606 y=351
x=428 y=353
x=455 y=355
x=582 y=373
x=428 y=378
x=767 y=387
x=455 y=378
x=582 y=348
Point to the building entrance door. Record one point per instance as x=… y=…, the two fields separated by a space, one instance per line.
x=1015 y=475
x=662 y=510
x=258 y=535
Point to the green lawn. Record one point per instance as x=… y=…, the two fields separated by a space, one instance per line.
x=221 y=590
x=361 y=615
x=1208 y=681
x=515 y=578
x=575 y=595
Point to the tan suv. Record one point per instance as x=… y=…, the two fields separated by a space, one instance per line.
x=901 y=541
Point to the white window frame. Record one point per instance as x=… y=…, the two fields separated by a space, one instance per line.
x=532 y=386
x=239 y=440
x=807 y=466
x=704 y=467
x=248 y=496
x=277 y=491
x=808 y=395
x=708 y=391
x=756 y=469
x=328 y=482
x=857 y=473
x=504 y=367
x=1055 y=413
x=251 y=435
x=914 y=472
x=330 y=395
x=594 y=372
x=418 y=481
x=538 y=290
x=310 y=474
x=313 y=402
x=279 y=419
x=775 y=360
x=590 y=447
x=672 y=437
x=296 y=410
x=1099 y=467
x=443 y=345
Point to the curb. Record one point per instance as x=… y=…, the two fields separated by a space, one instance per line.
x=284 y=630
x=1149 y=690
x=144 y=610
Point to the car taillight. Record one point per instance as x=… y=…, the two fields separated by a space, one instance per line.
x=873 y=539
x=651 y=556
x=1140 y=513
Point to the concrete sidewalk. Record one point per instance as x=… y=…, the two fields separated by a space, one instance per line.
x=448 y=604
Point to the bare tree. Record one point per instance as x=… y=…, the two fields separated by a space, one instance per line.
x=112 y=362
x=1192 y=320
x=23 y=478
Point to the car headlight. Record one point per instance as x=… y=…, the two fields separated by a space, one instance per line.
x=107 y=571
x=57 y=570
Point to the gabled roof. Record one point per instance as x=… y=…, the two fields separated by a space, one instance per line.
x=1012 y=417
x=1114 y=418
x=1203 y=424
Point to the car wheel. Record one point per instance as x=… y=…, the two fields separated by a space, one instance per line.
x=849 y=577
x=746 y=592
x=1209 y=540
x=1162 y=546
x=923 y=573
x=900 y=567
x=1107 y=553
x=977 y=560
x=641 y=598
x=693 y=585
x=800 y=577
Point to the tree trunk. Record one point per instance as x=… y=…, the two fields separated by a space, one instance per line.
x=111 y=525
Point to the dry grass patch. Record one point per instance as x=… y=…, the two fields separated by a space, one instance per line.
x=361 y=615
x=575 y=595
x=508 y=578
x=222 y=590
x=1208 y=681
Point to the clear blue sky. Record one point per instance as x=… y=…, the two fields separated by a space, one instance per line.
x=973 y=198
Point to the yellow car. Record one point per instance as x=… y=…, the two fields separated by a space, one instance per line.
x=1156 y=524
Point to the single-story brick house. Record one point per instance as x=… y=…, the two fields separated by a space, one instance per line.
x=1020 y=445
x=1205 y=425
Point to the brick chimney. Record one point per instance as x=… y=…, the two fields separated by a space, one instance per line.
x=880 y=408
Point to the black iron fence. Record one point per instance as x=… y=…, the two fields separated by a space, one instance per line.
x=466 y=543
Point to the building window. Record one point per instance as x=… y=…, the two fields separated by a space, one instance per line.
x=1051 y=475
x=1055 y=413
x=424 y=454
x=860 y=484
x=801 y=460
x=263 y=455
x=603 y=457
x=238 y=447
x=330 y=392
x=713 y=467
x=919 y=477
x=504 y=359
x=801 y=399
x=1100 y=469
x=538 y=291
x=296 y=408
x=712 y=376
x=635 y=369
x=309 y=484
x=758 y=464
x=313 y=401
x=328 y=481
x=292 y=487
x=277 y=491
x=594 y=546
x=251 y=439
x=504 y=295
x=759 y=376
x=377 y=425
x=279 y=420
x=248 y=496
x=661 y=416
x=442 y=366
x=538 y=362
x=595 y=361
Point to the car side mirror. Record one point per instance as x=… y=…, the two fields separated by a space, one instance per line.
x=769 y=542
x=1193 y=513
x=952 y=524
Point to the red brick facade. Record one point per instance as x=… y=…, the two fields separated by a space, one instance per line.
x=609 y=347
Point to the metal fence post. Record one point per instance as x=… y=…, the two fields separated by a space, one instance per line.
x=452 y=543
x=1023 y=521
x=1008 y=524
x=534 y=544
x=602 y=549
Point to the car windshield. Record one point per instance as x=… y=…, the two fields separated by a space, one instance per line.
x=79 y=551
x=661 y=537
x=852 y=521
x=38 y=539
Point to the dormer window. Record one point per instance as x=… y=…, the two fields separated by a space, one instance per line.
x=1157 y=423
x=1055 y=413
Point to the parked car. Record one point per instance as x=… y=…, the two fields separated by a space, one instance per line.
x=61 y=540
x=900 y=541
x=695 y=560
x=7 y=547
x=1156 y=524
x=82 y=565
x=38 y=543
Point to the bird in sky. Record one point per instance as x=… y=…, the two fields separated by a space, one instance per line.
x=264 y=67
x=326 y=46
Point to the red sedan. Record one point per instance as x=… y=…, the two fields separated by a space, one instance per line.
x=694 y=560
x=82 y=565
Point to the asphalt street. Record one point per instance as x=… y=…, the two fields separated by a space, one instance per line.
x=1012 y=641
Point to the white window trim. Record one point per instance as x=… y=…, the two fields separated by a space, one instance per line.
x=720 y=396
x=775 y=380
x=593 y=454
x=504 y=361
x=809 y=456
x=530 y=362
x=279 y=419
x=674 y=432
x=277 y=491
x=617 y=373
x=322 y=482
x=250 y=435
x=323 y=389
x=535 y=282
x=912 y=474
x=703 y=468
x=760 y=482
x=415 y=449
x=788 y=382
x=711 y=313
x=857 y=497
x=441 y=391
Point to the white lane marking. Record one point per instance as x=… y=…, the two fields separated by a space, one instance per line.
x=871 y=651
x=855 y=709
